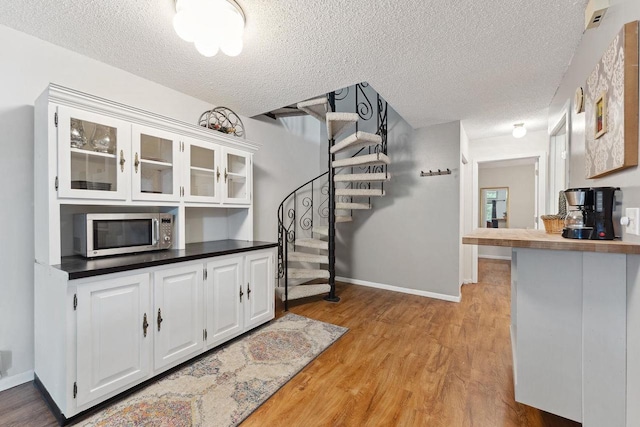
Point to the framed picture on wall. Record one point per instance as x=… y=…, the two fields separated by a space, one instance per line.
x=611 y=107
x=600 y=110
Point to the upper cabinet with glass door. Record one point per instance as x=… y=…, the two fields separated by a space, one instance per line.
x=156 y=165
x=237 y=176
x=93 y=151
x=202 y=171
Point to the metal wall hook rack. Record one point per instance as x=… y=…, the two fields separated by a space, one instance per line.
x=435 y=173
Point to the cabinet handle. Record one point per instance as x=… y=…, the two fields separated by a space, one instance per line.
x=217 y=174
x=160 y=319
x=136 y=162
x=122 y=160
x=225 y=175
x=248 y=291
x=241 y=293
x=145 y=324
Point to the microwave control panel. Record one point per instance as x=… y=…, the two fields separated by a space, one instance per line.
x=166 y=229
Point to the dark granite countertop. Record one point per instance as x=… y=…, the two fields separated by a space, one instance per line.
x=78 y=267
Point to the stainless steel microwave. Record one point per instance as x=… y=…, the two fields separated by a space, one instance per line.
x=97 y=235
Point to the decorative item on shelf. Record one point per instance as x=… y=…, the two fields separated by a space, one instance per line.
x=223 y=120
x=553 y=224
x=101 y=140
x=435 y=173
x=611 y=107
x=77 y=136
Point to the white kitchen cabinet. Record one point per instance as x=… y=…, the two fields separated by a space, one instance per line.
x=223 y=310
x=93 y=155
x=113 y=335
x=239 y=294
x=177 y=315
x=156 y=162
x=259 y=278
x=202 y=172
x=237 y=176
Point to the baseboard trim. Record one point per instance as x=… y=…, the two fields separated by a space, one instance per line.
x=399 y=289
x=15 y=380
x=501 y=257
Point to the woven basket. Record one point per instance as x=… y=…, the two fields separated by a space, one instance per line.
x=553 y=223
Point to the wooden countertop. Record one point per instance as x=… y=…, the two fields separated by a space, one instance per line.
x=539 y=239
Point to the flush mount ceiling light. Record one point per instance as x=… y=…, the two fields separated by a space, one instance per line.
x=519 y=130
x=211 y=25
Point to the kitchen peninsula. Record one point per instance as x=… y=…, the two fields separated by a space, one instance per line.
x=575 y=317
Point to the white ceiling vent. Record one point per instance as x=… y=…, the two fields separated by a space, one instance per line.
x=594 y=13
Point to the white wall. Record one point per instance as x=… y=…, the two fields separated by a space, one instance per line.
x=592 y=46
x=410 y=239
x=28 y=66
x=521 y=183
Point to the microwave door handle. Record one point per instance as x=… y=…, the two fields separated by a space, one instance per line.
x=156 y=231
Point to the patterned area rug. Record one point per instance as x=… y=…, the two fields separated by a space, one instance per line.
x=226 y=386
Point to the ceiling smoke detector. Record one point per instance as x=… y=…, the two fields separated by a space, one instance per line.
x=594 y=13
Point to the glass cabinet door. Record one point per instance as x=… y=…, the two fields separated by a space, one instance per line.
x=93 y=155
x=203 y=172
x=155 y=160
x=237 y=176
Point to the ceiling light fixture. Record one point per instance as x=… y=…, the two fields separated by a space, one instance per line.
x=519 y=130
x=211 y=25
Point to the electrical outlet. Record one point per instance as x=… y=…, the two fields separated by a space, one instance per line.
x=633 y=225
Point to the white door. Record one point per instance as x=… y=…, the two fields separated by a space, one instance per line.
x=177 y=317
x=93 y=155
x=112 y=340
x=259 y=305
x=155 y=159
x=222 y=299
x=202 y=175
x=237 y=177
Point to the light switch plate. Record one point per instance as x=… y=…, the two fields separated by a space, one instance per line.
x=634 y=220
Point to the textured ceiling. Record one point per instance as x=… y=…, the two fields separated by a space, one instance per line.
x=489 y=63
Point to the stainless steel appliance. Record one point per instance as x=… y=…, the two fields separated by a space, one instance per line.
x=591 y=213
x=97 y=235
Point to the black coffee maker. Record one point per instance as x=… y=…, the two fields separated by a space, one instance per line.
x=590 y=213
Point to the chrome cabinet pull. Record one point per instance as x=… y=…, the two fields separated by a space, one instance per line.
x=217 y=174
x=248 y=291
x=136 y=162
x=122 y=160
x=241 y=293
x=225 y=175
x=160 y=319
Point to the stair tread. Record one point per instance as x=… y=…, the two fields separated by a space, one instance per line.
x=312 y=243
x=364 y=192
x=343 y=218
x=302 y=291
x=371 y=177
x=307 y=257
x=316 y=107
x=349 y=206
x=338 y=122
x=322 y=229
x=367 y=159
x=307 y=273
x=357 y=139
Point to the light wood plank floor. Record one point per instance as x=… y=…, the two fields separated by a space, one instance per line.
x=406 y=361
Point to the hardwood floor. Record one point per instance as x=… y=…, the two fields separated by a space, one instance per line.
x=406 y=361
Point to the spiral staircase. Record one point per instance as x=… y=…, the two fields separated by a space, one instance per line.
x=307 y=217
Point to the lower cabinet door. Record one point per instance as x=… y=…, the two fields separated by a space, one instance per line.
x=259 y=306
x=223 y=300
x=113 y=343
x=177 y=317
